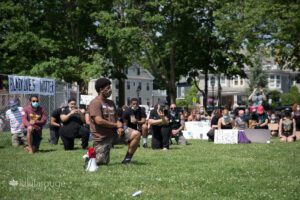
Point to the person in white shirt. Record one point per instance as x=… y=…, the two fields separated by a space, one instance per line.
x=14 y=116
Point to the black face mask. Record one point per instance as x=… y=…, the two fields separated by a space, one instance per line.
x=106 y=92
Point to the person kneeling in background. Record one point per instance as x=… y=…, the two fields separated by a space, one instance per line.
x=72 y=120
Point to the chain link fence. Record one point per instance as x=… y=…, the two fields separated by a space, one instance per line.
x=63 y=91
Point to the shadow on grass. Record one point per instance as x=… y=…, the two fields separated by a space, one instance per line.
x=46 y=150
x=132 y=163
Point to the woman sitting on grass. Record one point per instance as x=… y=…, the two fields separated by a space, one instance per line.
x=287 y=127
x=225 y=122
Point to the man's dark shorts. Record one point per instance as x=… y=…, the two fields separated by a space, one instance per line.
x=102 y=148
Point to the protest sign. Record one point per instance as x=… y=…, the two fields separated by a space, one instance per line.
x=31 y=85
x=226 y=136
x=196 y=129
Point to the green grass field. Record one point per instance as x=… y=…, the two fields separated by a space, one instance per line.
x=201 y=170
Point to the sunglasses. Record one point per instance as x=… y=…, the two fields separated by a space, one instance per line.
x=34 y=101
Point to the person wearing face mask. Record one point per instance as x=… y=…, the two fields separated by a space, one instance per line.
x=177 y=125
x=105 y=124
x=257 y=97
x=14 y=116
x=287 y=127
x=72 y=126
x=34 y=118
x=240 y=121
x=225 y=122
x=241 y=125
x=159 y=123
x=135 y=117
x=261 y=118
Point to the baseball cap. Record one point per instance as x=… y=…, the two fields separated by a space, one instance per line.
x=260 y=110
x=13 y=102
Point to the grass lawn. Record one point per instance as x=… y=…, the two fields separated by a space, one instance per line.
x=201 y=170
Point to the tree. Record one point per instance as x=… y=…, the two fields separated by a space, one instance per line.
x=118 y=26
x=49 y=38
x=293 y=96
x=273 y=24
x=258 y=76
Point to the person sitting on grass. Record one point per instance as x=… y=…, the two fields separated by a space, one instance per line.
x=225 y=122
x=14 y=116
x=262 y=118
x=34 y=118
x=287 y=127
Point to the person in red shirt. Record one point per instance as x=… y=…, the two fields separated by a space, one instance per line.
x=34 y=118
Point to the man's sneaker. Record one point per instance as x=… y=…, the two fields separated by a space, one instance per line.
x=126 y=161
x=145 y=145
x=165 y=149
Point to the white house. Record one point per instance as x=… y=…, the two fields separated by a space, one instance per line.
x=233 y=91
x=139 y=84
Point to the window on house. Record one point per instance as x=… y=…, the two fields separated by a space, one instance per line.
x=140 y=100
x=138 y=71
x=236 y=81
x=223 y=80
x=278 y=81
x=128 y=101
x=271 y=81
x=128 y=85
x=148 y=86
x=140 y=85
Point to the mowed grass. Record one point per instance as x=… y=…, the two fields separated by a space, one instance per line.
x=201 y=170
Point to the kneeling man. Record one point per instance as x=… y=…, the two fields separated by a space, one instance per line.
x=104 y=124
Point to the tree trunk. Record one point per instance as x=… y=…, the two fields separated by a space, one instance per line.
x=172 y=84
x=205 y=89
x=121 y=92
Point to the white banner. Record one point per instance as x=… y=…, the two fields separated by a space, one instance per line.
x=86 y=99
x=31 y=85
x=226 y=136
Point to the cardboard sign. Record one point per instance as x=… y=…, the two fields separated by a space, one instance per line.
x=31 y=85
x=196 y=130
x=226 y=136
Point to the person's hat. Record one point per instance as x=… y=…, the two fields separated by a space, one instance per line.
x=13 y=102
x=260 y=110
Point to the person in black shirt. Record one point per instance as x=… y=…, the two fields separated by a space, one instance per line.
x=177 y=125
x=135 y=117
x=159 y=122
x=55 y=125
x=72 y=120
